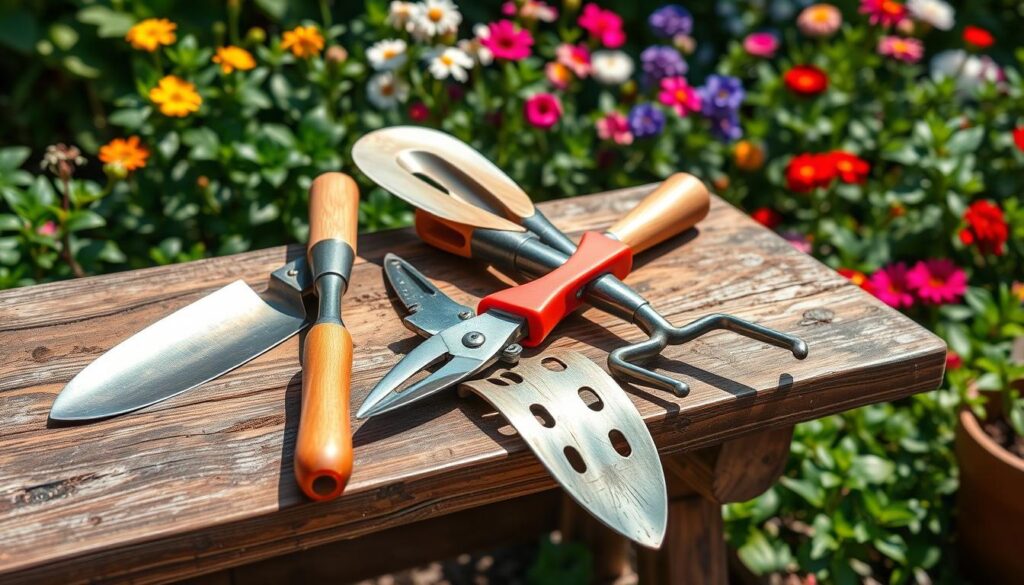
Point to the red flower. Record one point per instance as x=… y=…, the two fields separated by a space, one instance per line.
x=978 y=37
x=807 y=171
x=767 y=217
x=856 y=277
x=850 y=167
x=953 y=360
x=419 y=112
x=986 y=228
x=1018 y=138
x=806 y=80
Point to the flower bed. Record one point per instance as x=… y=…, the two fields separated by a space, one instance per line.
x=885 y=138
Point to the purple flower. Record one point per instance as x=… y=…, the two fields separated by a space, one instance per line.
x=645 y=121
x=721 y=95
x=726 y=127
x=661 y=61
x=671 y=20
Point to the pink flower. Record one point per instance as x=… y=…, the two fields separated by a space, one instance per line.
x=558 y=75
x=761 y=44
x=890 y=285
x=535 y=10
x=509 y=9
x=883 y=12
x=543 y=110
x=47 y=229
x=418 y=112
x=575 y=57
x=508 y=41
x=615 y=127
x=799 y=241
x=908 y=50
x=677 y=94
x=937 y=282
x=603 y=25
x=819 y=20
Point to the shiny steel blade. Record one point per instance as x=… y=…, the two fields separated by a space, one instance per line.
x=195 y=344
x=430 y=310
x=471 y=345
x=550 y=400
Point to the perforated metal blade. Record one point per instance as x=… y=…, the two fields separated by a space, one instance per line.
x=588 y=434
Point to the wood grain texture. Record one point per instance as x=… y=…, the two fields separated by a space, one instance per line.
x=323 y=449
x=204 y=481
x=676 y=205
x=694 y=552
x=333 y=209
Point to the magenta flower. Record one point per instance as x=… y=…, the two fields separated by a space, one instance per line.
x=47 y=229
x=937 y=282
x=603 y=25
x=908 y=50
x=615 y=127
x=679 y=95
x=761 y=44
x=883 y=12
x=543 y=110
x=891 y=287
x=575 y=57
x=507 y=41
x=799 y=241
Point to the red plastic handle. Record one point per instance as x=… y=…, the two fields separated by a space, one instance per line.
x=545 y=301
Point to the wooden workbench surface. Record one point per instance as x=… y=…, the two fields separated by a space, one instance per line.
x=204 y=481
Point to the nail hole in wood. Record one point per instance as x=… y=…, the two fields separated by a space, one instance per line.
x=591 y=399
x=542 y=415
x=553 y=364
x=620 y=443
x=575 y=459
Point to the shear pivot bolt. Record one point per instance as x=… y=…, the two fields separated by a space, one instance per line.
x=473 y=339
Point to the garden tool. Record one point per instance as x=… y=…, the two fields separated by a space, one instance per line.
x=572 y=415
x=231 y=326
x=323 y=449
x=469 y=207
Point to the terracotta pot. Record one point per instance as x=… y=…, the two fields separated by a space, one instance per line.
x=990 y=505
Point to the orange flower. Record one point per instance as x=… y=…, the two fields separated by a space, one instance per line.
x=152 y=33
x=748 y=156
x=231 y=58
x=176 y=97
x=127 y=153
x=303 y=41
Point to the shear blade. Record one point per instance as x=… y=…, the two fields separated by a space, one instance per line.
x=471 y=346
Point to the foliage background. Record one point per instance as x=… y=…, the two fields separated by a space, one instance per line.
x=867 y=495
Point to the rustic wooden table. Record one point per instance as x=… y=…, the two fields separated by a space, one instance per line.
x=202 y=483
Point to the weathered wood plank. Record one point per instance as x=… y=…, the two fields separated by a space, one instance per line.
x=203 y=481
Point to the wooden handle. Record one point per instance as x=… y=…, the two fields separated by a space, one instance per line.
x=323 y=451
x=333 y=209
x=674 y=207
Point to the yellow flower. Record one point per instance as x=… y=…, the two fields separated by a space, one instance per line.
x=230 y=58
x=303 y=41
x=129 y=154
x=176 y=97
x=151 y=33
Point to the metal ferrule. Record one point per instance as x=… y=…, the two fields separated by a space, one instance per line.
x=539 y=224
x=330 y=262
x=331 y=257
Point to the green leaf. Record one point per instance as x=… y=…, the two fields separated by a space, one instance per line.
x=84 y=220
x=13 y=157
x=18 y=30
x=130 y=119
x=872 y=469
x=109 y=22
x=203 y=142
x=892 y=546
x=966 y=141
x=10 y=223
x=805 y=489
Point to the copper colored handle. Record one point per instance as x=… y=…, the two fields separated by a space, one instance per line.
x=673 y=207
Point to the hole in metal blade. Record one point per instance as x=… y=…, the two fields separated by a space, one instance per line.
x=512 y=377
x=620 y=443
x=575 y=459
x=497 y=381
x=591 y=399
x=553 y=364
x=542 y=415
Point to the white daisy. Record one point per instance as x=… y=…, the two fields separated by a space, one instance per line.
x=386 y=91
x=387 y=55
x=611 y=67
x=450 y=62
x=475 y=48
x=934 y=12
x=400 y=13
x=434 y=18
x=970 y=71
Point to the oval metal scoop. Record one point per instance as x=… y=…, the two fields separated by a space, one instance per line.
x=586 y=431
x=442 y=175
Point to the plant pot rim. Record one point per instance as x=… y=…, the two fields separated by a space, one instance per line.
x=972 y=426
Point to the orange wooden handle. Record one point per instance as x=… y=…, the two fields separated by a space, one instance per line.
x=672 y=208
x=333 y=209
x=443 y=234
x=323 y=450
